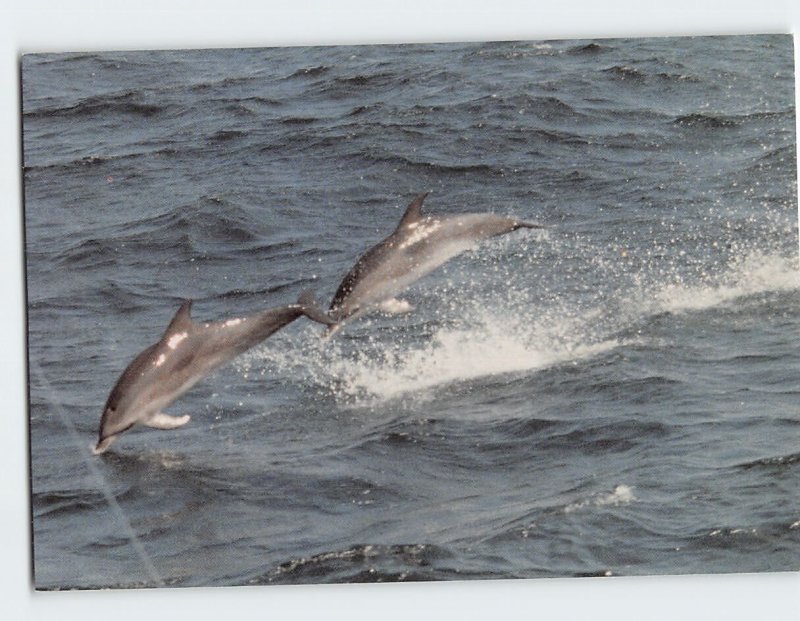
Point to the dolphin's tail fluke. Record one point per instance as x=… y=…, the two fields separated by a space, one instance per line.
x=308 y=304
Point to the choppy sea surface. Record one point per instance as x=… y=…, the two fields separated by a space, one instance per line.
x=616 y=394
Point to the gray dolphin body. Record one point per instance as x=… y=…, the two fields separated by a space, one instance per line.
x=419 y=245
x=186 y=353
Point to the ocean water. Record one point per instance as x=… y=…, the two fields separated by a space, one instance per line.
x=616 y=394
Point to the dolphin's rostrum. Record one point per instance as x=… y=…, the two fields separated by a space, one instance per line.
x=186 y=353
x=418 y=245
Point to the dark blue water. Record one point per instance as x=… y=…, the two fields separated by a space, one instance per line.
x=614 y=395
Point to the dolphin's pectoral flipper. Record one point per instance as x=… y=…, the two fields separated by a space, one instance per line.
x=159 y=420
x=103 y=445
x=396 y=306
x=528 y=225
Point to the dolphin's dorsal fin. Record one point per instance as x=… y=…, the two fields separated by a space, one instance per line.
x=182 y=320
x=413 y=212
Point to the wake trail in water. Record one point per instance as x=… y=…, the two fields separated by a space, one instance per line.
x=490 y=346
x=754 y=274
x=512 y=333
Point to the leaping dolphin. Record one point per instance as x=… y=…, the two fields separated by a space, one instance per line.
x=186 y=353
x=418 y=245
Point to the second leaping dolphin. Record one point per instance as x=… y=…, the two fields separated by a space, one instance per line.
x=187 y=352
x=418 y=245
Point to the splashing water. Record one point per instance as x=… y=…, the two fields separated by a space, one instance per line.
x=755 y=273
x=507 y=334
x=491 y=346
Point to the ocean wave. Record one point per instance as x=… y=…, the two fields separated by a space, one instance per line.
x=437 y=167
x=677 y=77
x=590 y=49
x=773 y=161
x=128 y=103
x=782 y=461
x=641 y=76
x=343 y=87
x=362 y=563
x=99 y=161
x=365 y=109
x=741 y=538
x=62 y=57
x=310 y=72
x=605 y=439
x=561 y=137
x=779 y=154
x=225 y=135
x=706 y=120
x=106 y=296
x=511 y=51
x=712 y=120
x=546 y=107
x=298 y=120
x=258 y=100
x=192 y=229
x=220 y=84
x=526 y=427
x=89 y=253
x=549 y=514
x=108 y=252
x=66 y=501
x=625 y=72
x=371 y=79
x=211 y=217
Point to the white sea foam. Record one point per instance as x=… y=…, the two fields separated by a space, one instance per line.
x=490 y=347
x=503 y=340
x=753 y=274
x=622 y=495
x=486 y=343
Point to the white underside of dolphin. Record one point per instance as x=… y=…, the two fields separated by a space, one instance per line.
x=418 y=246
x=187 y=352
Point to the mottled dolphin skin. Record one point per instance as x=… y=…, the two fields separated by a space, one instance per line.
x=418 y=245
x=186 y=353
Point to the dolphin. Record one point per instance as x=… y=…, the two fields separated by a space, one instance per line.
x=418 y=245
x=187 y=352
